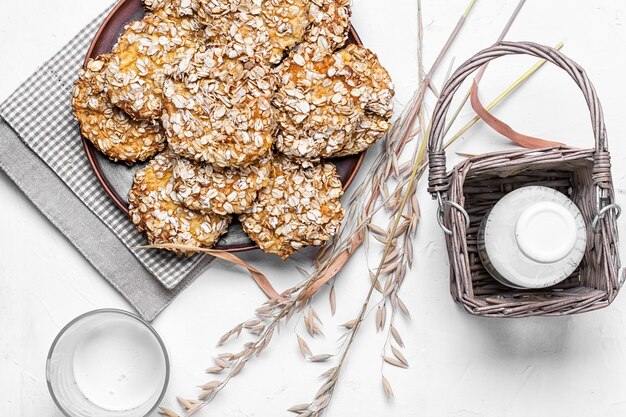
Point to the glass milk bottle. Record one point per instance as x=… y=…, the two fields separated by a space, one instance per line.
x=534 y=237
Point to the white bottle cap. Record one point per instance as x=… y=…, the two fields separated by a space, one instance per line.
x=546 y=232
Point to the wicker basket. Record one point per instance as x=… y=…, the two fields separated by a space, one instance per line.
x=475 y=185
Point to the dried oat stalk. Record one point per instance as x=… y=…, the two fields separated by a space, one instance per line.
x=386 y=173
x=390 y=186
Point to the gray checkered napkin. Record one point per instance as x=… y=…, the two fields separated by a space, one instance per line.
x=39 y=111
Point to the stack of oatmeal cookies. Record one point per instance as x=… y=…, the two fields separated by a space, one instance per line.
x=237 y=105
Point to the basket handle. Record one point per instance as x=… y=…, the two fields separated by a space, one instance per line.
x=438 y=180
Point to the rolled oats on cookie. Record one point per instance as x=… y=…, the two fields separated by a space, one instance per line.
x=221 y=113
x=202 y=187
x=173 y=8
x=330 y=24
x=299 y=207
x=148 y=51
x=263 y=29
x=325 y=108
x=375 y=98
x=316 y=109
x=107 y=127
x=155 y=209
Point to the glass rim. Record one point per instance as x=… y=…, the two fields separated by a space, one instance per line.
x=79 y=318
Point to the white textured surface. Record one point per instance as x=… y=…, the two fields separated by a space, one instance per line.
x=460 y=365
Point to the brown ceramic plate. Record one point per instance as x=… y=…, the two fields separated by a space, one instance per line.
x=117 y=178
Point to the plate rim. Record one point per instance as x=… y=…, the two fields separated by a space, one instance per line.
x=90 y=150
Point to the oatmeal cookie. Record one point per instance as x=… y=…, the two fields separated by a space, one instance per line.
x=317 y=109
x=287 y=21
x=111 y=131
x=325 y=108
x=221 y=113
x=300 y=207
x=174 y=8
x=147 y=51
x=330 y=24
x=154 y=208
x=209 y=11
x=369 y=129
x=375 y=99
x=204 y=188
x=263 y=29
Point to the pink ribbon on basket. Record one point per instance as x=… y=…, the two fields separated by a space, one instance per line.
x=504 y=129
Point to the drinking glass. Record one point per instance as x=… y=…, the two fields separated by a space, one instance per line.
x=107 y=363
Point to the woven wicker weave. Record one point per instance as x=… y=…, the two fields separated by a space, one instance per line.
x=476 y=184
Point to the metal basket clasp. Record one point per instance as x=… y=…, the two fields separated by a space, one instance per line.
x=595 y=223
x=440 y=211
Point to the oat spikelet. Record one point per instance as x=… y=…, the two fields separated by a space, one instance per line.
x=387 y=388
